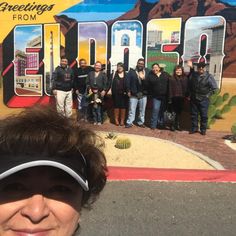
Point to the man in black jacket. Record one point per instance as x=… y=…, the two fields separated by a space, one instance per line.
x=136 y=84
x=62 y=87
x=201 y=86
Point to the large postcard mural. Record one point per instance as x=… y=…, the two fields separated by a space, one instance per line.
x=34 y=35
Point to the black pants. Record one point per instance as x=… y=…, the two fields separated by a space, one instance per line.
x=199 y=108
x=177 y=105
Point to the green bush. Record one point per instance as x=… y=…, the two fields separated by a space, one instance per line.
x=210 y=122
x=225 y=97
x=213 y=98
x=111 y=135
x=218 y=114
x=219 y=101
x=233 y=129
x=226 y=108
x=211 y=111
x=123 y=143
x=232 y=101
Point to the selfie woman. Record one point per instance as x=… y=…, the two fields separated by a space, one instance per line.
x=49 y=169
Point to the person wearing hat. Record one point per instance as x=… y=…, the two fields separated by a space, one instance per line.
x=49 y=170
x=201 y=86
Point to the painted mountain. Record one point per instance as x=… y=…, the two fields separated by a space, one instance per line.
x=146 y=10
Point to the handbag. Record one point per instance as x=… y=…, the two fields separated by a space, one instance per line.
x=169 y=116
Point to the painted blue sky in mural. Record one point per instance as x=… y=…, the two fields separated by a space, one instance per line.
x=100 y=10
x=24 y=34
x=105 y=10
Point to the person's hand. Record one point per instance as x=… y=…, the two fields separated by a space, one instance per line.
x=190 y=63
x=103 y=93
x=54 y=92
x=129 y=94
x=77 y=92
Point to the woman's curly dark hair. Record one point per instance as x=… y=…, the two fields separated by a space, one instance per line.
x=41 y=130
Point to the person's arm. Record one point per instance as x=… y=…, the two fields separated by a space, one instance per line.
x=127 y=83
x=54 y=78
x=191 y=67
x=72 y=80
x=104 y=84
x=213 y=85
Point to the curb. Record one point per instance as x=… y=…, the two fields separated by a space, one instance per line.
x=153 y=174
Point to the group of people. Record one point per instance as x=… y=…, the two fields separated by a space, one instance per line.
x=133 y=88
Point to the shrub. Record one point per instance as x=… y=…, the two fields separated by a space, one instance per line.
x=218 y=114
x=226 y=108
x=111 y=135
x=232 y=101
x=123 y=143
x=225 y=97
x=233 y=129
x=211 y=111
x=219 y=101
x=213 y=98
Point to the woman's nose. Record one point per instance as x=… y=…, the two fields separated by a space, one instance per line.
x=36 y=208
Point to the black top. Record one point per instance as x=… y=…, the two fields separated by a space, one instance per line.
x=136 y=85
x=201 y=85
x=63 y=79
x=99 y=82
x=118 y=84
x=158 y=86
x=178 y=86
x=81 y=77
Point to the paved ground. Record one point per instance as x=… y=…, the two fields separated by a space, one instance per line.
x=162 y=208
x=211 y=145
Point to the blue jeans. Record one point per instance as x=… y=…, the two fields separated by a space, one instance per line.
x=133 y=102
x=157 y=116
x=97 y=113
x=82 y=106
x=199 y=108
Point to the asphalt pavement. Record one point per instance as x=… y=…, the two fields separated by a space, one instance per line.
x=138 y=208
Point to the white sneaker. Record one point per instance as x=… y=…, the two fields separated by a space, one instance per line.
x=99 y=123
x=95 y=123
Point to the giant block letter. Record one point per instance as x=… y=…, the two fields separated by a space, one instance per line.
x=27 y=44
x=126 y=43
x=208 y=30
x=51 y=53
x=163 y=36
x=92 y=42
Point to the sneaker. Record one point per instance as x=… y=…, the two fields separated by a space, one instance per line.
x=203 y=132
x=95 y=123
x=128 y=125
x=193 y=131
x=99 y=123
x=142 y=126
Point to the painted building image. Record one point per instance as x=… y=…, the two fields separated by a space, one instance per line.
x=126 y=44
